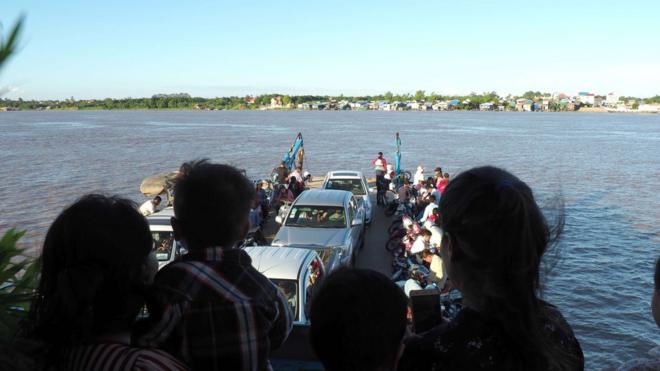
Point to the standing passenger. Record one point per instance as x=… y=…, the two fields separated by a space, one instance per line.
x=380 y=165
x=219 y=312
x=442 y=183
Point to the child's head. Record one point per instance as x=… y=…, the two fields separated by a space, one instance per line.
x=426 y=235
x=212 y=205
x=358 y=321
x=96 y=262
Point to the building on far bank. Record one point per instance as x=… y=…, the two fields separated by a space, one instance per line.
x=441 y=106
x=488 y=106
x=612 y=99
x=524 y=105
x=276 y=102
x=586 y=98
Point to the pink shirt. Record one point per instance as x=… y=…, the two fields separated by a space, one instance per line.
x=442 y=184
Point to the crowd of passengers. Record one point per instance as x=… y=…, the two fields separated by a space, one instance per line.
x=212 y=310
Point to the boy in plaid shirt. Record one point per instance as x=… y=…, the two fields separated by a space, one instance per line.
x=217 y=311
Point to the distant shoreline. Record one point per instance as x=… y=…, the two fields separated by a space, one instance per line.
x=583 y=110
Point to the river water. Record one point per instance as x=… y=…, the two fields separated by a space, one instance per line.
x=606 y=168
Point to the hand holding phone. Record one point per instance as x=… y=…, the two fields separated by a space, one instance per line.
x=426 y=309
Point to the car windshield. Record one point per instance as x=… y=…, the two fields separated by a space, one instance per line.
x=163 y=242
x=351 y=185
x=290 y=290
x=316 y=217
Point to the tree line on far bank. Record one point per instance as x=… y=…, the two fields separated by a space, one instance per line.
x=185 y=101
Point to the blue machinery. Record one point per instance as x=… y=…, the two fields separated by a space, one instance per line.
x=295 y=154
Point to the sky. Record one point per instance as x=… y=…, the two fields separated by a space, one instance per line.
x=99 y=49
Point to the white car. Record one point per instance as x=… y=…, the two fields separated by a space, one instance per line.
x=295 y=271
x=354 y=182
x=328 y=220
x=167 y=249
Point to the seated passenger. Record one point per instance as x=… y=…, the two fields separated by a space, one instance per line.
x=428 y=210
x=165 y=246
x=96 y=265
x=218 y=311
x=358 y=321
x=495 y=238
x=422 y=242
x=436 y=267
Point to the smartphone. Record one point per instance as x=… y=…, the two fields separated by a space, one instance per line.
x=426 y=309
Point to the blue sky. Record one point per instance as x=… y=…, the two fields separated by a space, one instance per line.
x=92 y=49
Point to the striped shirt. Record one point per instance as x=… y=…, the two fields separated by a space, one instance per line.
x=118 y=357
x=219 y=312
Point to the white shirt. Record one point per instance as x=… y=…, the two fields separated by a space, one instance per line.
x=147 y=208
x=437 y=271
x=297 y=175
x=418 y=246
x=436 y=236
x=428 y=210
x=379 y=164
x=419 y=175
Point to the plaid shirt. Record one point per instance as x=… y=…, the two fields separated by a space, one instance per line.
x=219 y=312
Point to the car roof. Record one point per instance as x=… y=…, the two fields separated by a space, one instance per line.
x=323 y=197
x=160 y=221
x=347 y=174
x=167 y=212
x=279 y=262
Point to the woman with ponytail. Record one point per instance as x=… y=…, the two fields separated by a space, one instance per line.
x=494 y=239
x=96 y=265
